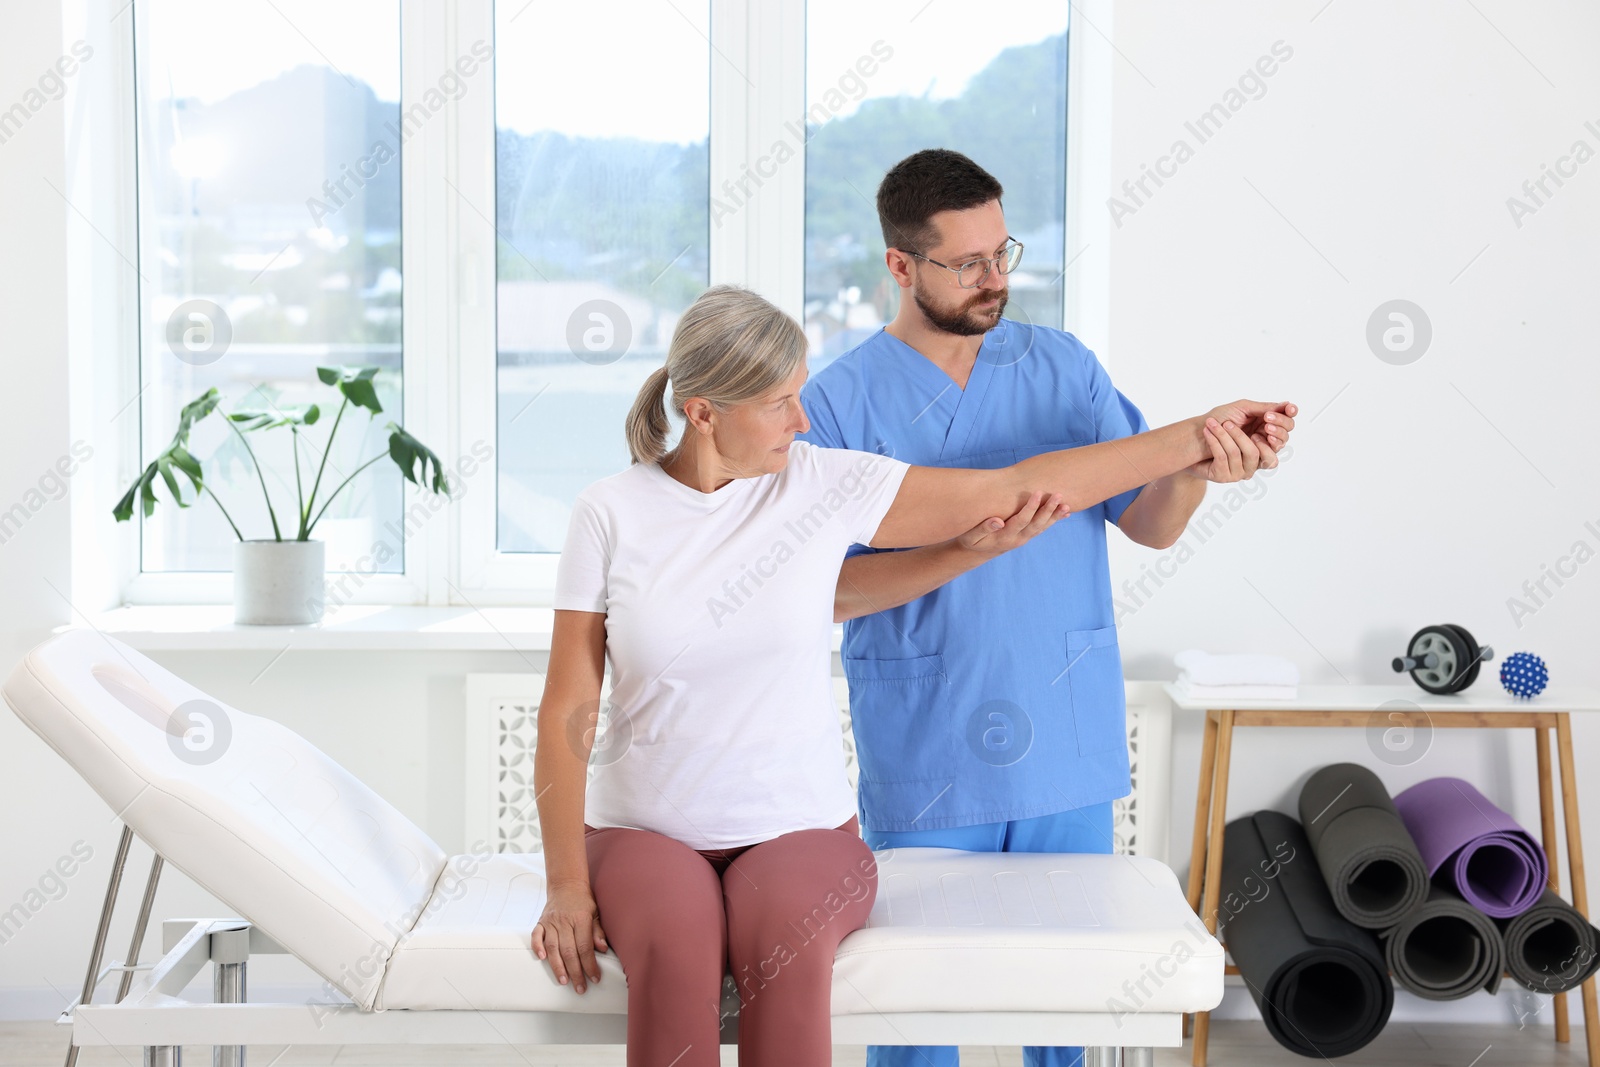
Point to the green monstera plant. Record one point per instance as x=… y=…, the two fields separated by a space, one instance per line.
x=354 y=384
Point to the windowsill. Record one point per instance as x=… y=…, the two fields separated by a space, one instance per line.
x=349 y=628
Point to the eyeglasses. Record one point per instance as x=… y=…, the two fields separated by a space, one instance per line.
x=971 y=274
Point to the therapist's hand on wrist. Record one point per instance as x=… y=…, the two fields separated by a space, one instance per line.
x=1243 y=437
x=1235 y=455
x=1272 y=422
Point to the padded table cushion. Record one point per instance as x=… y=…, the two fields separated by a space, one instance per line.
x=294 y=843
x=949 y=931
x=280 y=833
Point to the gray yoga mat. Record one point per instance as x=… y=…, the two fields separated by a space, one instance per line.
x=1446 y=949
x=1372 y=867
x=1318 y=979
x=1550 y=948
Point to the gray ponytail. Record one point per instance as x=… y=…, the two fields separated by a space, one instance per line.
x=647 y=423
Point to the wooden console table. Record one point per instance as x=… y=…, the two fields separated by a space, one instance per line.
x=1381 y=708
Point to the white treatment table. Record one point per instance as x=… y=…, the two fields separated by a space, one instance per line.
x=417 y=947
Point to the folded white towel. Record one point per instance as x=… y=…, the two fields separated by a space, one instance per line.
x=1235 y=692
x=1203 y=668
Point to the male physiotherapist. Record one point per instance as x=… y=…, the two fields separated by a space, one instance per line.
x=988 y=703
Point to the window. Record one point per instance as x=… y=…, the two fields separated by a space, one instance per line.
x=880 y=86
x=269 y=245
x=604 y=164
x=603 y=236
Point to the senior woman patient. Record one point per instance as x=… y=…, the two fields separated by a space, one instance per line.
x=718 y=835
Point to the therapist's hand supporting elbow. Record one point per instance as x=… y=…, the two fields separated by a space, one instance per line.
x=878 y=581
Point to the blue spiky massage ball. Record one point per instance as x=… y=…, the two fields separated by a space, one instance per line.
x=1524 y=674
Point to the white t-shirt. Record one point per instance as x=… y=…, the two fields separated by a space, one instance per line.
x=722 y=730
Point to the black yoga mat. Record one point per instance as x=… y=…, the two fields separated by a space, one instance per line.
x=1319 y=980
x=1446 y=949
x=1367 y=857
x=1550 y=948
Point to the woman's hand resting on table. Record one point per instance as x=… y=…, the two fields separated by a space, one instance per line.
x=568 y=934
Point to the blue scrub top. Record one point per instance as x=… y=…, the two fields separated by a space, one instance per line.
x=999 y=695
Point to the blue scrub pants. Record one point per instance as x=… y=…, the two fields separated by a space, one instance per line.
x=1086 y=829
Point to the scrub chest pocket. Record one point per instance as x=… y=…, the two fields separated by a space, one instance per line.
x=1094 y=669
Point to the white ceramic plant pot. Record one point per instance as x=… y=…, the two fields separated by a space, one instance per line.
x=277 y=583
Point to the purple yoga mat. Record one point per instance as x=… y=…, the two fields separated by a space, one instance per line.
x=1476 y=848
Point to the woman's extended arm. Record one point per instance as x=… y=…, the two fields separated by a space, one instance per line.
x=569 y=930
x=936 y=503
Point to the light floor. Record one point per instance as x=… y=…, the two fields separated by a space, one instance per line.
x=1233 y=1044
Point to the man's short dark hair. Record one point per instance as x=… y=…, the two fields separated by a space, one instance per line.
x=924 y=184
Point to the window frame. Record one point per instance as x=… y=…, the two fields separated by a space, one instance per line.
x=449 y=273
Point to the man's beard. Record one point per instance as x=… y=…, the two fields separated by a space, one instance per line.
x=969 y=320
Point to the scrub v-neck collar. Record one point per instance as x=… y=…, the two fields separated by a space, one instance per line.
x=969 y=400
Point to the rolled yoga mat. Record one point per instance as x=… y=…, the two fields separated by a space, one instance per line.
x=1477 y=849
x=1367 y=857
x=1319 y=980
x=1550 y=948
x=1446 y=949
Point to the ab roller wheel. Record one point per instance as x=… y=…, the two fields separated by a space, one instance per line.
x=1443 y=659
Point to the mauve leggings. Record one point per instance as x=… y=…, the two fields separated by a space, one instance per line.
x=771 y=914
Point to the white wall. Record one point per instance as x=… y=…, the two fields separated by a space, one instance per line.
x=1415 y=494
x=36 y=826
x=1424 y=493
